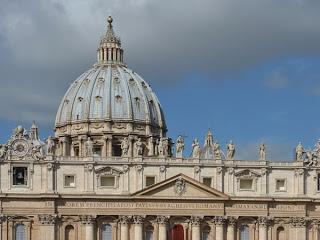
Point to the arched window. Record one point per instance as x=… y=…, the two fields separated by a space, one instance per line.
x=106 y=232
x=69 y=233
x=244 y=233
x=20 y=232
x=149 y=233
x=281 y=233
x=206 y=233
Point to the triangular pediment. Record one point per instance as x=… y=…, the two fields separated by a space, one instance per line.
x=107 y=170
x=181 y=186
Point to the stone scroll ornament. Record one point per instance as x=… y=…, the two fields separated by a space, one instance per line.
x=180 y=186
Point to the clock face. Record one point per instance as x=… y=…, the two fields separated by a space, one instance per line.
x=20 y=148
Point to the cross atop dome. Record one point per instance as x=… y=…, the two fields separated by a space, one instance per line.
x=110 y=51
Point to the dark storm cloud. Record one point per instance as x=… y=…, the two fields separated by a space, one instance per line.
x=45 y=45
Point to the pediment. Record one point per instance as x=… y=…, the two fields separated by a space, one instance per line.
x=181 y=186
x=247 y=173
x=107 y=170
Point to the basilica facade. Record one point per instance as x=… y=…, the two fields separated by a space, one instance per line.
x=112 y=173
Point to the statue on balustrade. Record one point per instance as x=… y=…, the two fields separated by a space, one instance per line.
x=139 y=147
x=89 y=147
x=50 y=146
x=179 y=147
x=299 y=152
x=37 y=152
x=196 y=148
x=3 y=151
x=217 y=150
x=262 y=152
x=125 y=147
x=230 y=150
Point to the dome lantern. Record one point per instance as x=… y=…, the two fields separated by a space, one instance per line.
x=110 y=51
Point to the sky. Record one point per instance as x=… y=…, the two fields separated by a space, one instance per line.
x=248 y=70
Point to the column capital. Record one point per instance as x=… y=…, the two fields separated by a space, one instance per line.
x=87 y=219
x=3 y=218
x=47 y=219
x=299 y=222
x=219 y=220
x=263 y=221
x=162 y=219
x=137 y=219
x=232 y=221
x=125 y=219
x=195 y=220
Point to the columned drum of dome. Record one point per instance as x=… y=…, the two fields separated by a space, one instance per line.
x=109 y=100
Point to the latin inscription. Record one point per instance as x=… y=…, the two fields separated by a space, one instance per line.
x=133 y=205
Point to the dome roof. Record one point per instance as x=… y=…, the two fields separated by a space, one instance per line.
x=110 y=93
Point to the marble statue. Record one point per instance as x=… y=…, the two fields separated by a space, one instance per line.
x=317 y=149
x=262 y=152
x=195 y=148
x=3 y=151
x=299 y=152
x=216 y=150
x=125 y=147
x=19 y=132
x=89 y=147
x=165 y=146
x=160 y=147
x=139 y=147
x=179 y=147
x=37 y=152
x=230 y=150
x=50 y=146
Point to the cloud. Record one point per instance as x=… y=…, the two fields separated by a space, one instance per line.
x=46 y=44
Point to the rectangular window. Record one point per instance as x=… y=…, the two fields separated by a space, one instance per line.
x=150 y=181
x=246 y=184
x=69 y=181
x=97 y=151
x=207 y=181
x=20 y=176
x=280 y=185
x=76 y=151
x=107 y=181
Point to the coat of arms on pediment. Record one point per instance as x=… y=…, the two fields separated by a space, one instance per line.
x=180 y=186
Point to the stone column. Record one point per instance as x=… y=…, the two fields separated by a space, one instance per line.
x=104 y=147
x=2 y=220
x=231 y=228
x=125 y=169
x=219 y=222
x=47 y=226
x=150 y=146
x=124 y=229
x=64 y=146
x=195 y=223
x=131 y=138
x=80 y=138
x=138 y=227
x=263 y=228
x=88 y=221
x=109 y=146
x=162 y=223
x=298 y=229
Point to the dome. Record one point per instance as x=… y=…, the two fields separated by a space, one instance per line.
x=110 y=98
x=110 y=93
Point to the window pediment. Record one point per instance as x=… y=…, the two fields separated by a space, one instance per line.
x=107 y=171
x=247 y=173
